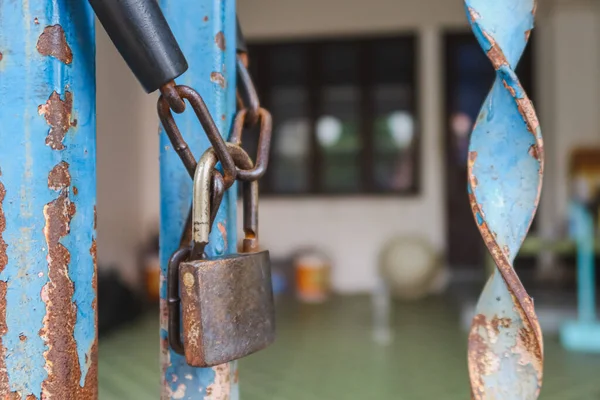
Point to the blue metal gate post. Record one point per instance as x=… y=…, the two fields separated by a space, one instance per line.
x=47 y=201
x=205 y=30
x=506 y=165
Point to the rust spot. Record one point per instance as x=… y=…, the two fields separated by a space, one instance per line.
x=75 y=190
x=472 y=156
x=218 y=78
x=58 y=115
x=90 y=387
x=22 y=338
x=482 y=359
x=528 y=342
x=1 y=56
x=496 y=56
x=527 y=35
x=95 y=219
x=478 y=354
x=93 y=253
x=496 y=323
x=205 y=19
x=4 y=385
x=223 y=117
x=533 y=152
x=223 y=231
x=221 y=388
x=528 y=113
x=59 y=178
x=3 y=245
x=62 y=361
x=512 y=90
x=36 y=21
x=506 y=251
x=474 y=14
x=220 y=40
x=53 y=42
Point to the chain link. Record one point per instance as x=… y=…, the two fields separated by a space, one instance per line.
x=208 y=124
x=264 y=142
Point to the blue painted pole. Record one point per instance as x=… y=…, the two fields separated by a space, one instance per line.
x=47 y=201
x=584 y=333
x=205 y=30
x=505 y=169
x=586 y=274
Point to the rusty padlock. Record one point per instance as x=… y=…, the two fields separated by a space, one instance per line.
x=227 y=305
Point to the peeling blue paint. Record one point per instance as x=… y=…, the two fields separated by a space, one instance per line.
x=27 y=79
x=195 y=24
x=505 y=167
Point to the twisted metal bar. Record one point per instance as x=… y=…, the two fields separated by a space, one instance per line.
x=505 y=177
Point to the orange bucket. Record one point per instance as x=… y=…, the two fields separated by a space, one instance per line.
x=312 y=277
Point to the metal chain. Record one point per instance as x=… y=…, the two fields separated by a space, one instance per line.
x=230 y=154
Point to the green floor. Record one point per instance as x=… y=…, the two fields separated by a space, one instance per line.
x=326 y=353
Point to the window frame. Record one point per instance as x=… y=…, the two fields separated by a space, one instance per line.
x=259 y=51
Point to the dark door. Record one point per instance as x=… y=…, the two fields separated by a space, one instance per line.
x=469 y=76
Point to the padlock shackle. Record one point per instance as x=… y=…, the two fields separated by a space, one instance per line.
x=201 y=210
x=174 y=301
x=201 y=201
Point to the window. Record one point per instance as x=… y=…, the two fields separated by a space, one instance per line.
x=344 y=116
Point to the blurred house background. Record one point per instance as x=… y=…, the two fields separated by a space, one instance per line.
x=373 y=102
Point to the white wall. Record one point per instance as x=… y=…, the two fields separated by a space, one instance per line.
x=571 y=95
x=289 y=18
x=351 y=230
x=120 y=119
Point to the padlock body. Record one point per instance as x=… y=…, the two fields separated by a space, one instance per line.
x=227 y=307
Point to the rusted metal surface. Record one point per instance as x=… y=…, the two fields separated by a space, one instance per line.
x=211 y=131
x=196 y=36
x=264 y=142
x=247 y=95
x=219 y=79
x=47 y=247
x=59 y=322
x=505 y=171
x=58 y=115
x=171 y=95
x=53 y=42
x=227 y=307
x=226 y=302
x=220 y=40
